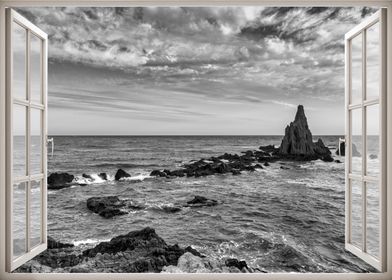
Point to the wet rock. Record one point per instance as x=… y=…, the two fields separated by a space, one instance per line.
x=58 y=181
x=107 y=206
x=236 y=263
x=270 y=149
x=53 y=244
x=120 y=174
x=236 y=172
x=298 y=138
x=147 y=252
x=103 y=176
x=84 y=175
x=355 y=151
x=258 y=166
x=266 y=164
x=158 y=173
x=297 y=143
x=200 y=201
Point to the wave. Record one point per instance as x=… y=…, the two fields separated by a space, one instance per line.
x=89 y=241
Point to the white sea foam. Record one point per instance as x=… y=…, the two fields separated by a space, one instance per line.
x=89 y=241
x=139 y=177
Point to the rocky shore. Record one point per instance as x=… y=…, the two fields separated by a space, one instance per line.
x=136 y=252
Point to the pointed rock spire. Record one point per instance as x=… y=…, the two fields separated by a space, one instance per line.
x=298 y=143
x=298 y=139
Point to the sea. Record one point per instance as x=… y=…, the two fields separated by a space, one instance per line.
x=287 y=217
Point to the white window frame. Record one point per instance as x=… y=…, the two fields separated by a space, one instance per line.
x=15 y=18
x=387 y=275
x=360 y=30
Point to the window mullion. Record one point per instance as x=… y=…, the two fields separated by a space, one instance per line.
x=28 y=141
x=364 y=156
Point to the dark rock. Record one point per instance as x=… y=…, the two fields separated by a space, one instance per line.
x=235 y=172
x=337 y=161
x=58 y=181
x=194 y=252
x=297 y=143
x=103 y=176
x=53 y=244
x=84 y=175
x=342 y=150
x=199 y=201
x=298 y=138
x=284 y=167
x=266 y=164
x=121 y=174
x=150 y=252
x=158 y=173
x=107 y=206
x=355 y=151
x=236 y=263
x=269 y=149
x=258 y=166
x=178 y=173
x=222 y=168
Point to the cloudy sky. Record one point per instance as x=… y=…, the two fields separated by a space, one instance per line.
x=191 y=71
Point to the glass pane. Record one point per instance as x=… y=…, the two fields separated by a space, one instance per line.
x=19 y=219
x=19 y=62
x=373 y=62
x=36 y=142
x=35 y=67
x=356 y=133
x=19 y=136
x=35 y=214
x=373 y=218
x=356 y=213
x=356 y=69
x=373 y=140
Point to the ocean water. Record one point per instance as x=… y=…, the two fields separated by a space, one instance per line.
x=277 y=220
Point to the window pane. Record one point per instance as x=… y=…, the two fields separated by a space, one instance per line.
x=19 y=219
x=373 y=218
x=373 y=140
x=35 y=67
x=356 y=69
x=373 y=62
x=19 y=143
x=36 y=142
x=356 y=133
x=19 y=62
x=356 y=213
x=35 y=213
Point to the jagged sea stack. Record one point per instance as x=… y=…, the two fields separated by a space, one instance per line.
x=298 y=143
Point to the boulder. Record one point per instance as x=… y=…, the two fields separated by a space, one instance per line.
x=355 y=151
x=84 y=175
x=158 y=173
x=121 y=174
x=200 y=201
x=103 y=176
x=59 y=180
x=107 y=206
x=236 y=263
x=53 y=244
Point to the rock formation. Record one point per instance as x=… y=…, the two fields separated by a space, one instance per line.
x=121 y=174
x=298 y=143
x=58 y=181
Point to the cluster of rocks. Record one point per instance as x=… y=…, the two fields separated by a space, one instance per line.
x=297 y=145
x=61 y=180
x=111 y=206
x=136 y=252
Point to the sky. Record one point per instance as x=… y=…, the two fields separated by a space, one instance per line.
x=194 y=71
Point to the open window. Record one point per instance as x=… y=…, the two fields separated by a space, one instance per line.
x=26 y=180
x=366 y=140
x=26 y=140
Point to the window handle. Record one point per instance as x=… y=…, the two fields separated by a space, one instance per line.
x=51 y=140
